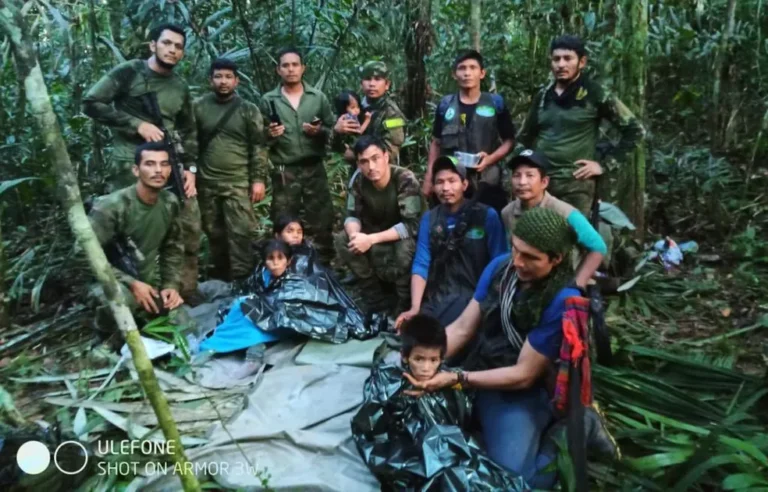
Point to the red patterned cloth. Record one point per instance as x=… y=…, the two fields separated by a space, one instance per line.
x=574 y=353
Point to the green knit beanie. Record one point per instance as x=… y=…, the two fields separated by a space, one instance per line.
x=545 y=230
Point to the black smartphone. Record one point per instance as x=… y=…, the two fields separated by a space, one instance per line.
x=273 y=117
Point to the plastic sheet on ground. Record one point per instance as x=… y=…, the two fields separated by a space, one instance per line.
x=418 y=443
x=294 y=425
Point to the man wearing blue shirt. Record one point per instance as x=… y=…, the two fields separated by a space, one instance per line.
x=530 y=178
x=456 y=241
x=521 y=300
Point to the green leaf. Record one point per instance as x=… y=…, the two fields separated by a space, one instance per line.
x=661 y=460
x=12 y=183
x=742 y=481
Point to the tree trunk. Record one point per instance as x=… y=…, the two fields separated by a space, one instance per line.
x=722 y=52
x=418 y=45
x=5 y=319
x=474 y=23
x=116 y=14
x=632 y=176
x=96 y=145
x=12 y=24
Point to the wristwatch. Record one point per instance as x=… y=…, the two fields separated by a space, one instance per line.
x=192 y=169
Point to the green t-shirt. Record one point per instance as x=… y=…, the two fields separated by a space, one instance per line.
x=236 y=155
x=155 y=229
x=398 y=205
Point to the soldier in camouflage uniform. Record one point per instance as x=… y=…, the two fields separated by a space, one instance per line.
x=233 y=169
x=299 y=120
x=118 y=100
x=564 y=121
x=146 y=216
x=379 y=238
x=387 y=121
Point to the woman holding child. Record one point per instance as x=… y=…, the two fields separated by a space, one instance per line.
x=520 y=300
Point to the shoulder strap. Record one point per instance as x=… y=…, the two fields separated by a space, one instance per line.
x=206 y=138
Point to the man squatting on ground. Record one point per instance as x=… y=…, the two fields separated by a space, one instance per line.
x=383 y=210
x=457 y=239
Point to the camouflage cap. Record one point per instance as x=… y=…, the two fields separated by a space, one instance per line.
x=374 y=68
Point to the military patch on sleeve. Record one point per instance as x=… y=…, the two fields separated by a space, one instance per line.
x=486 y=111
x=391 y=123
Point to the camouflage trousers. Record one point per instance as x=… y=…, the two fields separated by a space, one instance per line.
x=581 y=194
x=120 y=176
x=578 y=192
x=229 y=223
x=388 y=263
x=303 y=190
x=191 y=232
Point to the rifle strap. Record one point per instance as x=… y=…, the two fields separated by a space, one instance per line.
x=206 y=138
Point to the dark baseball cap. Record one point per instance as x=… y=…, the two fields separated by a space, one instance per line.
x=531 y=158
x=450 y=163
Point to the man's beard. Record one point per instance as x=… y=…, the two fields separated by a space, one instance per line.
x=164 y=64
x=224 y=95
x=570 y=80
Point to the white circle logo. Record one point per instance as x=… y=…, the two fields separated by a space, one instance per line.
x=33 y=457
x=70 y=472
x=526 y=153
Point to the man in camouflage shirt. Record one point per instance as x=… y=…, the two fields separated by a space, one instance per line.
x=564 y=122
x=119 y=100
x=144 y=216
x=387 y=121
x=299 y=122
x=379 y=238
x=233 y=169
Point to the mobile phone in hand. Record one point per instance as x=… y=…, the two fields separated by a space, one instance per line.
x=315 y=121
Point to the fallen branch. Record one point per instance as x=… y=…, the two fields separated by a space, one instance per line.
x=14 y=26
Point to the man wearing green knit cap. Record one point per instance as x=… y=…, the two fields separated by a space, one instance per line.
x=521 y=300
x=387 y=121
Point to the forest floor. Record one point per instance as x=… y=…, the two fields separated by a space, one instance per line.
x=708 y=320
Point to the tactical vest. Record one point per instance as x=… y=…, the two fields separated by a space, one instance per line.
x=482 y=134
x=460 y=255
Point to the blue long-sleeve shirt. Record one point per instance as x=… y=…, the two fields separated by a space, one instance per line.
x=494 y=233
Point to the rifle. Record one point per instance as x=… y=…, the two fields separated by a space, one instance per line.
x=273 y=116
x=172 y=141
x=123 y=254
x=600 y=334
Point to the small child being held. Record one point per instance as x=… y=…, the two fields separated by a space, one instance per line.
x=413 y=442
x=348 y=104
x=424 y=345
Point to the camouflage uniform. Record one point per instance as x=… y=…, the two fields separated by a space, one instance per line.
x=387 y=121
x=229 y=163
x=399 y=206
x=156 y=232
x=299 y=181
x=565 y=128
x=115 y=101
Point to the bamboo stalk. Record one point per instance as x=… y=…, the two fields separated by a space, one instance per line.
x=13 y=25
